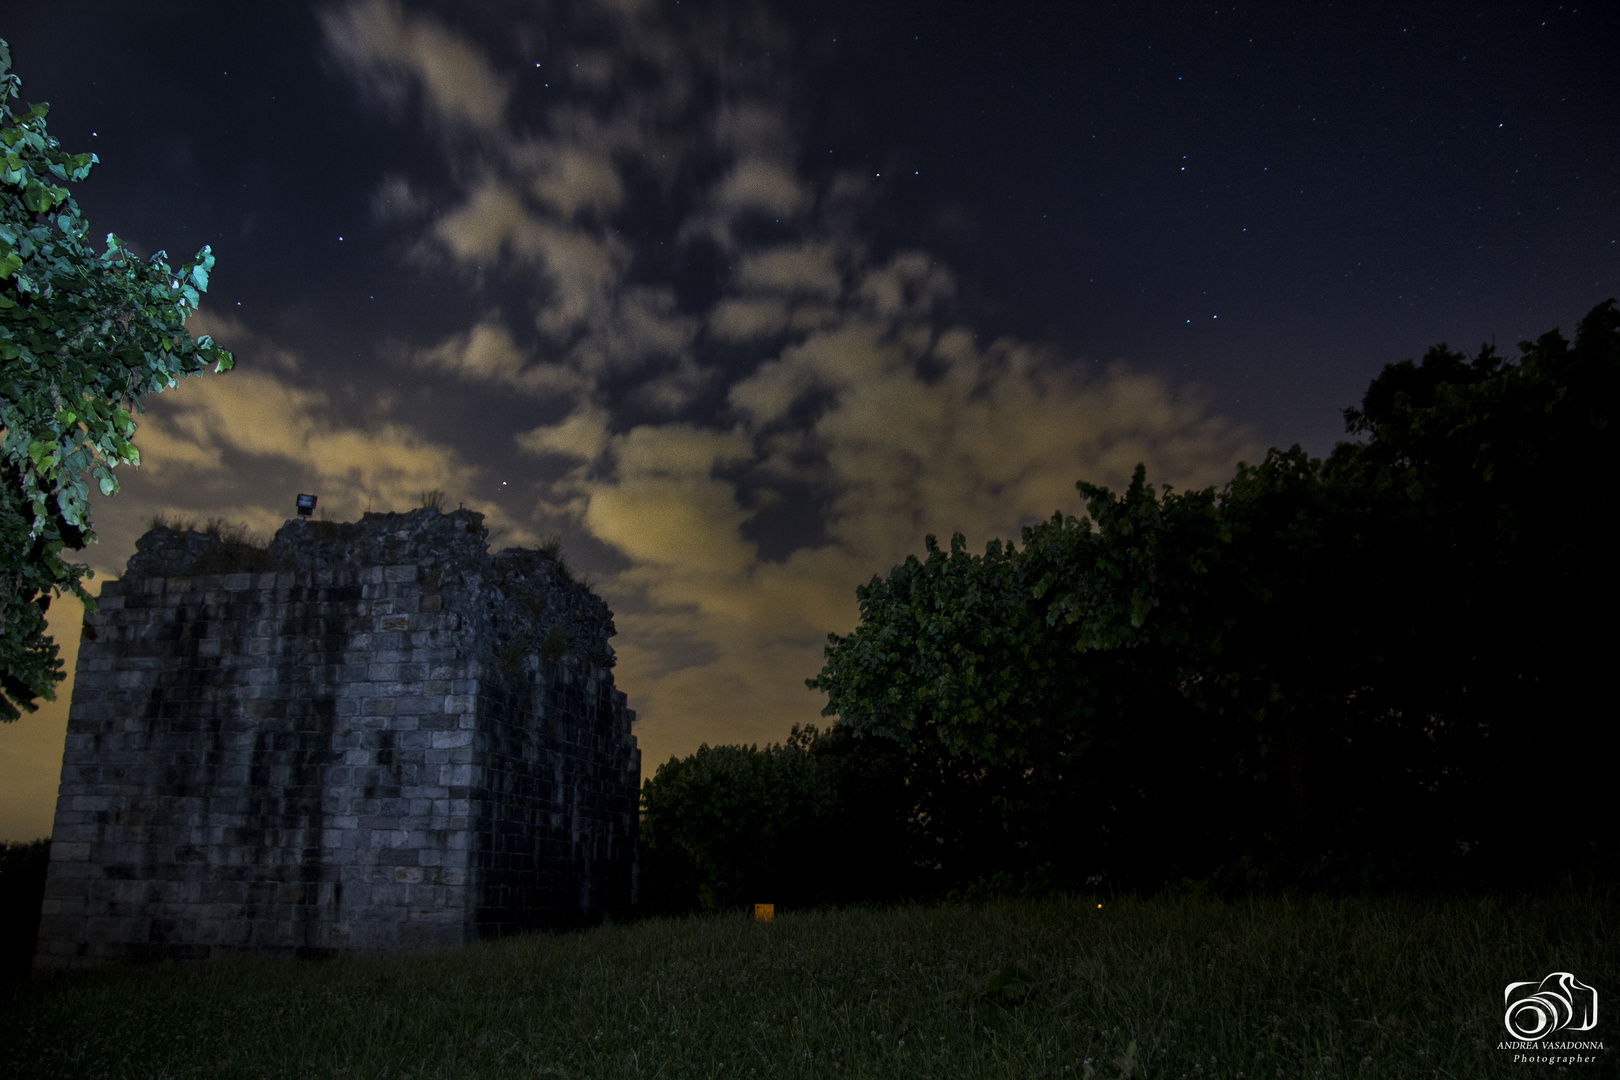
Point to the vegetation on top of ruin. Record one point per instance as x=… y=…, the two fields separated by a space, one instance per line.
x=244 y=550
x=239 y=549
x=551 y=548
x=224 y=531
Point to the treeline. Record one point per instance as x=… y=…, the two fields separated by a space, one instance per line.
x=22 y=891
x=1383 y=669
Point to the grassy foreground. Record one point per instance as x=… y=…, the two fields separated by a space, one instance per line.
x=1060 y=989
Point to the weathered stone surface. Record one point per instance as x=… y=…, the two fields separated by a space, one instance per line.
x=375 y=737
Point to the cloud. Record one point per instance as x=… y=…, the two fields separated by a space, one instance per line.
x=798 y=394
x=386 y=50
x=396 y=200
x=909 y=285
x=756 y=184
x=162 y=453
x=796 y=269
x=267 y=417
x=580 y=266
x=739 y=320
x=260 y=416
x=575 y=179
x=491 y=221
x=583 y=435
x=756 y=129
x=676 y=389
x=664 y=507
x=831 y=359
x=633 y=325
x=487 y=354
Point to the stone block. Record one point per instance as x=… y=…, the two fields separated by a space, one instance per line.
x=417 y=705
x=69 y=853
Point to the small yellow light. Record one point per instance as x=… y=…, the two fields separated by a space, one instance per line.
x=764 y=912
x=1099 y=907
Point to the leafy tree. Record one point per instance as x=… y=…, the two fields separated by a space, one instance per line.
x=1223 y=595
x=1373 y=657
x=951 y=645
x=82 y=337
x=828 y=817
x=1154 y=668
x=1025 y=745
x=953 y=654
x=738 y=816
x=1484 y=547
x=22 y=891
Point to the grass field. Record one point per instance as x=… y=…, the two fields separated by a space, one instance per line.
x=1059 y=989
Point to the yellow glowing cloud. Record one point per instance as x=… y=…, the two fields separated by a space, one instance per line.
x=384 y=47
x=740 y=320
x=492 y=219
x=762 y=185
x=666 y=522
x=678 y=450
x=163 y=452
x=256 y=414
x=576 y=179
x=831 y=358
x=580 y=265
x=910 y=284
x=802 y=268
x=582 y=435
x=487 y=353
x=664 y=507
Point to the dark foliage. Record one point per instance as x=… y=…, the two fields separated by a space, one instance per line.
x=22 y=890
x=30 y=571
x=1381 y=670
x=1482 y=544
x=83 y=336
x=1377 y=672
x=816 y=820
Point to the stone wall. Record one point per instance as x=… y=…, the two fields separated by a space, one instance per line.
x=371 y=737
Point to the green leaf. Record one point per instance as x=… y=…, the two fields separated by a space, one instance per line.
x=89 y=330
x=1141 y=604
x=37 y=198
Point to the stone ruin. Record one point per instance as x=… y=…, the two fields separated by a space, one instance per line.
x=373 y=737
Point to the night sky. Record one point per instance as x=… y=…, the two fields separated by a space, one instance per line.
x=742 y=300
